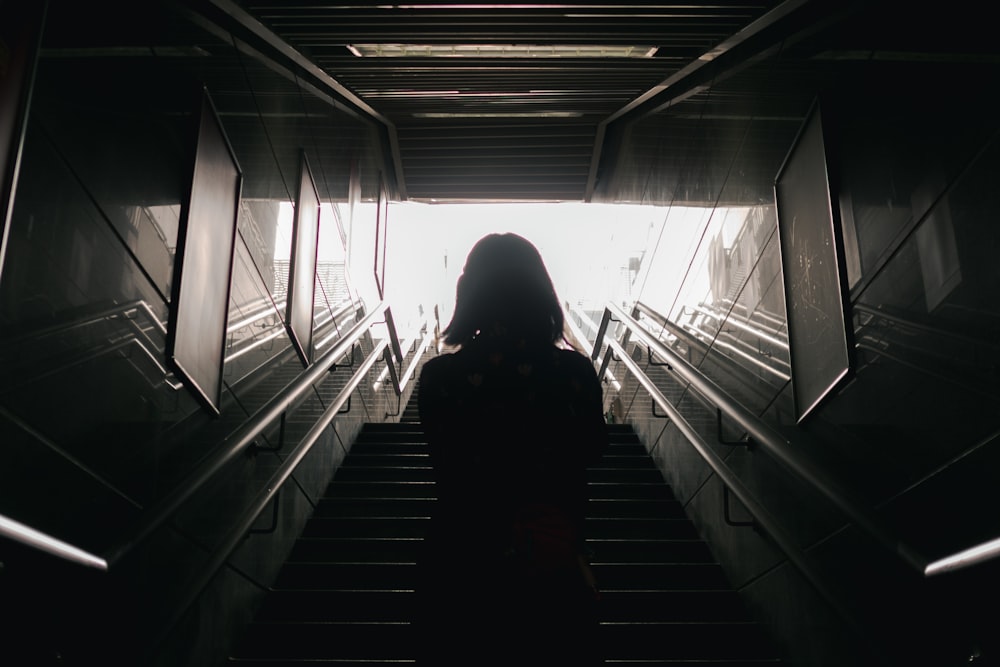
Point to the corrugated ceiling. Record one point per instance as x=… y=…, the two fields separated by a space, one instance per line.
x=503 y=127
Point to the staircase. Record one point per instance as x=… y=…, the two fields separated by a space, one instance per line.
x=346 y=594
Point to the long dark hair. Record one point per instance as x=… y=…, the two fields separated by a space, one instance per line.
x=505 y=289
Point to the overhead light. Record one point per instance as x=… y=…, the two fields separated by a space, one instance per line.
x=501 y=114
x=499 y=51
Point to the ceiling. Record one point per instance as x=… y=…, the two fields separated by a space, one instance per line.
x=639 y=101
x=469 y=125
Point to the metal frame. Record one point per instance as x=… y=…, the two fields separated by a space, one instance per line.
x=299 y=308
x=203 y=266
x=381 y=233
x=810 y=240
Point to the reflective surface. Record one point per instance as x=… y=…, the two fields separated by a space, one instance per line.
x=94 y=426
x=914 y=434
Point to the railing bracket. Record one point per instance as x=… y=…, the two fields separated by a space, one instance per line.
x=256 y=447
x=274 y=518
x=336 y=367
x=399 y=408
x=744 y=441
x=649 y=360
x=727 y=516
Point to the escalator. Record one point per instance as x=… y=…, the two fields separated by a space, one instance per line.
x=346 y=595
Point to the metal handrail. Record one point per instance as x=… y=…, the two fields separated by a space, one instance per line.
x=36 y=539
x=691 y=338
x=772 y=442
x=240 y=439
x=418 y=352
x=741 y=325
x=92 y=318
x=782 y=539
x=272 y=309
x=335 y=317
x=235 y=443
x=242 y=526
x=781 y=449
x=745 y=356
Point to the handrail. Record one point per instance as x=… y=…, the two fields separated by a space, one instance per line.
x=92 y=318
x=688 y=337
x=399 y=382
x=235 y=443
x=120 y=341
x=25 y=534
x=749 y=358
x=763 y=518
x=343 y=310
x=240 y=439
x=778 y=447
x=273 y=308
x=741 y=325
x=694 y=341
x=773 y=443
x=418 y=352
x=582 y=338
x=237 y=533
x=877 y=313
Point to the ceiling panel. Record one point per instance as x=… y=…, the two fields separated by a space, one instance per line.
x=502 y=128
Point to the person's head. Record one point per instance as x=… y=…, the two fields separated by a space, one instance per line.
x=504 y=287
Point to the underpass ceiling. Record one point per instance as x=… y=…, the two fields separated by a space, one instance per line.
x=690 y=103
x=530 y=126
x=526 y=125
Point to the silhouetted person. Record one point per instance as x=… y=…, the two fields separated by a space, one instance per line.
x=513 y=418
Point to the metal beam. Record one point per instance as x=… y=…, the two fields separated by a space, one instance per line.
x=787 y=22
x=255 y=32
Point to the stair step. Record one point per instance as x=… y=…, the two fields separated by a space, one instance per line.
x=347 y=594
x=640 y=490
x=685 y=640
x=391 y=437
x=387 y=448
x=400 y=576
x=374 y=427
x=649 y=551
x=375 y=489
x=376 y=507
x=618 y=662
x=625 y=475
x=359 y=640
x=394 y=458
x=313 y=640
x=355 y=550
x=386 y=473
x=366 y=527
x=334 y=605
x=654 y=576
x=671 y=605
x=640 y=459
x=626 y=508
x=643 y=528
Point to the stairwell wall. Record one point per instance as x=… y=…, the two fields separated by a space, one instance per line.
x=915 y=432
x=94 y=428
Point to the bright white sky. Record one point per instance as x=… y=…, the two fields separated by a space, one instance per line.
x=586 y=247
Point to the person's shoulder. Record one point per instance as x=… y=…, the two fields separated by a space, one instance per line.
x=441 y=365
x=574 y=358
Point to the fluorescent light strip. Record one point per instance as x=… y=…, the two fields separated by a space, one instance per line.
x=500 y=114
x=499 y=51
